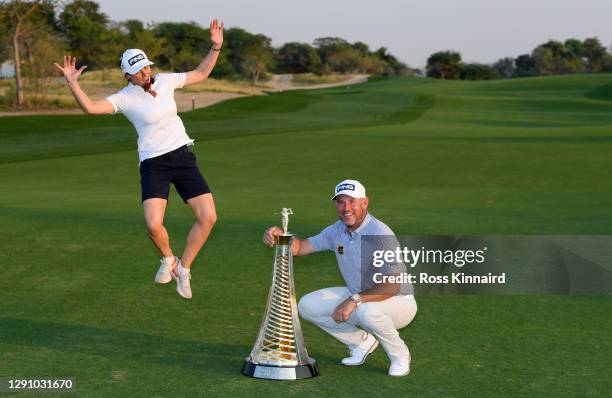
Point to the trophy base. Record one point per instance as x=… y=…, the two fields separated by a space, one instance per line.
x=270 y=372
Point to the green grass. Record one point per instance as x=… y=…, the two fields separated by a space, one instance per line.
x=311 y=78
x=524 y=156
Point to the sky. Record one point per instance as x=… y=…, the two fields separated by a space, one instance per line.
x=481 y=30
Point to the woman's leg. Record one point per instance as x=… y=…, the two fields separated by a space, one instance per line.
x=206 y=216
x=154 y=210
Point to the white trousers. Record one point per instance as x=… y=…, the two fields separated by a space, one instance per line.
x=380 y=318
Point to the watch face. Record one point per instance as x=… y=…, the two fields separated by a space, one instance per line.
x=356 y=297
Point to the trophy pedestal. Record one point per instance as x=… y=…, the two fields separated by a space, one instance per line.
x=271 y=372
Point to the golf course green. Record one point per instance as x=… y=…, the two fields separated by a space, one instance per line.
x=520 y=156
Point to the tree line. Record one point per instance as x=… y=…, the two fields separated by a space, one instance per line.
x=550 y=58
x=34 y=33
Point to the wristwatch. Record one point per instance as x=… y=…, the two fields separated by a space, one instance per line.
x=356 y=298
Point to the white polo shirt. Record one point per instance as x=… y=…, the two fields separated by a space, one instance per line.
x=160 y=129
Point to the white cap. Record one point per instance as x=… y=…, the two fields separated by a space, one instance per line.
x=352 y=188
x=133 y=60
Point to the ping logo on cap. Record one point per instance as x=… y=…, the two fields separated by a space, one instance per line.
x=136 y=58
x=345 y=187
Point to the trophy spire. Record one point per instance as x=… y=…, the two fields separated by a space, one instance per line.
x=279 y=352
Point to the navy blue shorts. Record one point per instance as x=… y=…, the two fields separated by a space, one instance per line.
x=178 y=167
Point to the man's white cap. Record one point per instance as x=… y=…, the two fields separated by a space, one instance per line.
x=352 y=188
x=133 y=60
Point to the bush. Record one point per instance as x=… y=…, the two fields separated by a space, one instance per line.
x=7 y=98
x=478 y=72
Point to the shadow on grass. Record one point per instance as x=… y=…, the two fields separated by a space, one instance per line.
x=600 y=93
x=222 y=359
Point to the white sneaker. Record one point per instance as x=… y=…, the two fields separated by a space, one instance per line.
x=183 y=285
x=401 y=366
x=361 y=352
x=164 y=273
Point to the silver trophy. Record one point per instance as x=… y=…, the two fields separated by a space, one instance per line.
x=279 y=352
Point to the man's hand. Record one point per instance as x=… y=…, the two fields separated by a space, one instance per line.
x=271 y=235
x=343 y=312
x=71 y=73
x=216 y=33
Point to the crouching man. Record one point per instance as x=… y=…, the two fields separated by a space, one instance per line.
x=363 y=313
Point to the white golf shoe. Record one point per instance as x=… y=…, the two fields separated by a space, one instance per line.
x=164 y=273
x=401 y=366
x=361 y=352
x=183 y=283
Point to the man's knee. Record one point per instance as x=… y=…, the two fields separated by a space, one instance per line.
x=307 y=307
